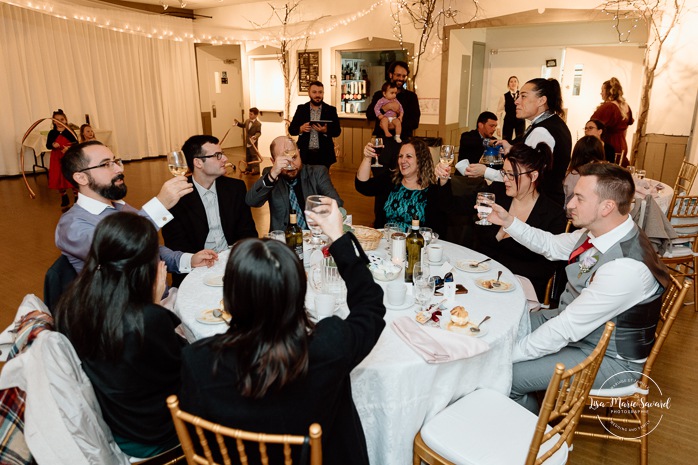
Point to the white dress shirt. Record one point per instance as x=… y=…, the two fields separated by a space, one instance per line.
x=616 y=286
x=215 y=239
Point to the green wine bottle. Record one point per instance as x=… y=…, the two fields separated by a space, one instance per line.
x=294 y=236
x=414 y=244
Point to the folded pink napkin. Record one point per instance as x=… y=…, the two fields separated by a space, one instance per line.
x=529 y=292
x=436 y=345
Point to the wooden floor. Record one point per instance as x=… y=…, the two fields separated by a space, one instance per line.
x=26 y=234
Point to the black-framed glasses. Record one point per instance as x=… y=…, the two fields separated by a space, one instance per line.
x=506 y=175
x=218 y=156
x=107 y=164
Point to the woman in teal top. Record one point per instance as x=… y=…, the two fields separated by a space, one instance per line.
x=416 y=188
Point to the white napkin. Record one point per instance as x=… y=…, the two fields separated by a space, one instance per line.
x=436 y=345
x=529 y=292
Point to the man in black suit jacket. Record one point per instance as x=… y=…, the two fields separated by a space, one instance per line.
x=215 y=213
x=315 y=141
x=471 y=141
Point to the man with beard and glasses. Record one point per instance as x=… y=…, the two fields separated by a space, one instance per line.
x=99 y=178
x=214 y=216
x=397 y=73
x=287 y=183
x=316 y=123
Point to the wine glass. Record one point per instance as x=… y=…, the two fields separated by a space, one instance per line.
x=377 y=143
x=177 y=163
x=484 y=207
x=446 y=156
x=424 y=290
x=291 y=153
x=319 y=205
x=421 y=270
x=388 y=230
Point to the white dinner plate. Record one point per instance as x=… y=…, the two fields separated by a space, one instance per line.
x=408 y=303
x=504 y=286
x=445 y=323
x=214 y=280
x=464 y=265
x=206 y=317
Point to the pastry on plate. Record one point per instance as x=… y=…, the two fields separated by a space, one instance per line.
x=459 y=316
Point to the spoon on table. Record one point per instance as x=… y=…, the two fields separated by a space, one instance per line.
x=497 y=283
x=218 y=314
x=475 y=265
x=476 y=329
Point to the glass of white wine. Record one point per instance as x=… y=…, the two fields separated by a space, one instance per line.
x=320 y=206
x=446 y=156
x=177 y=163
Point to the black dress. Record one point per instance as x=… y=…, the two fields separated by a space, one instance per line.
x=323 y=395
x=546 y=215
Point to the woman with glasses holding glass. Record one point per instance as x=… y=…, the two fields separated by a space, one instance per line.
x=524 y=170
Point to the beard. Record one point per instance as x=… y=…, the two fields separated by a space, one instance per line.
x=290 y=175
x=110 y=191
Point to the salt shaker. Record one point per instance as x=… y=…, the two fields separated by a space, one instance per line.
x=398 y=251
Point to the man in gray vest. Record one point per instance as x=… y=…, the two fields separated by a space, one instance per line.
x=614 y=275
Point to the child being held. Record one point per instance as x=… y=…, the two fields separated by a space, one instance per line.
x=389 y=119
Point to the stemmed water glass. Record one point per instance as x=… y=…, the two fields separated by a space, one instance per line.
x=320 y=205
x=291 y=152
x=377 y=143
x=424 y=285
x=177 y=163
x=446 y=156
x=484 y=207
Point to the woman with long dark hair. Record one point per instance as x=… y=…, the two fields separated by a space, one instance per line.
x=125 y=340
x=540 y=102
x=274 y=371
x=524 y=171
x=588 y=149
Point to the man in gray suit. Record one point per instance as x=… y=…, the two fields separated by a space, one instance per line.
x=252 y=129
x=287 y=183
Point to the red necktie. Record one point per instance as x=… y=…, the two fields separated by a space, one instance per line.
x=574 y=256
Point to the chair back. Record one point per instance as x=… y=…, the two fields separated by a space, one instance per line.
x=57 y=279
x=674 y=297
x=565 y=398
x=685 y=178
x=201 y=426
x=683 y=215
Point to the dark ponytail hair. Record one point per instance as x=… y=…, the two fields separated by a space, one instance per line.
x=549 y=88
x=109 y=295
x=56 y=113
x=524 y=158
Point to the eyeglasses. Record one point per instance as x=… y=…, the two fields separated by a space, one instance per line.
x=590 y=128
x=107 y=164
x=506 y=175
x=218 y=156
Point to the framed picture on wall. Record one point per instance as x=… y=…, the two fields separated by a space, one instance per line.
x=308 y=69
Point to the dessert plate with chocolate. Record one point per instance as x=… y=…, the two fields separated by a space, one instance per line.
x=493 y=285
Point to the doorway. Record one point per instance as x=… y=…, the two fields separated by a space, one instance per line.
x=477 y=76
x=220 y=91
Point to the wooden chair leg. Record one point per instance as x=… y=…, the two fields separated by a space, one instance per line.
x=644 y=440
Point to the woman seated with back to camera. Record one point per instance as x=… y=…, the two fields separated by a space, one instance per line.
x=524 y=168
x=415 y=189
x=124 y=338
x=274 y=371
x=588 y=149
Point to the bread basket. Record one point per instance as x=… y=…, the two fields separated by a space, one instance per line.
x=369 y=238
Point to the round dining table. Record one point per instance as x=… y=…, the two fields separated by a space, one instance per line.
x=394 y=389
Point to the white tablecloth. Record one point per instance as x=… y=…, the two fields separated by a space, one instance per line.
x=394 y=389
x=662 y=196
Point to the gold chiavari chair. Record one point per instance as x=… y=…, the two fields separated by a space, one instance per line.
x=472 y=430
x=635 y=396
x=310 y=444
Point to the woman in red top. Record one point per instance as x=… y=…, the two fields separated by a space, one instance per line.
x=58 y=140
x=615 y=113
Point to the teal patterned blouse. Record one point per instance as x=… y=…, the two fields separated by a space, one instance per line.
x=403 y=204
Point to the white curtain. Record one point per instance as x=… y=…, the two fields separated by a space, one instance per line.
x=143 y=89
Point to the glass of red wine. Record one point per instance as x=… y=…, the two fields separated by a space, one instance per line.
x=377 y=143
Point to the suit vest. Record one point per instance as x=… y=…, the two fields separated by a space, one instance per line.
x=634 y=334
x=510 y=107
